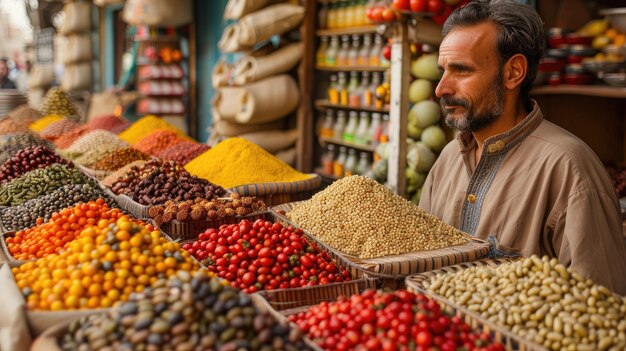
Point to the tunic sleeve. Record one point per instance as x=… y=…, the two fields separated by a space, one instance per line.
x=588 y=237
x=426 y=197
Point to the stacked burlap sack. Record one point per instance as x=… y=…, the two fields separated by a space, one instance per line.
x=75 y=46
x=255 y=94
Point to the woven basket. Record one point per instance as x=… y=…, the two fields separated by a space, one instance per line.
x=418 y=284
x=279 y=193
x=394 y=269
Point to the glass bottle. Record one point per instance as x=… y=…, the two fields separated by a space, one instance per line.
x=372 y=134
x=328 y=125
x=333 y=92
x=342 y=88
x=328 y=160
x=340 y=161
x=384 y=130
x=320 y=55
x=364 y=51
x=341 y=14
x=360 y=16
x=364 y=163
x=351 y=163
x=366 y=94
x=322 y=15
x=332 y=52
x=342 y=56
x=353 y=54
x=340 y=125
x=354 y=91
x=360 y=137
x=353 y=121
x=331 y=15
x=376 y=50
x=349 y=13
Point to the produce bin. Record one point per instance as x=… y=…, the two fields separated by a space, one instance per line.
x=186 y=231
x=279 y=193
x=418 y=283
x=9 y=259
x=392 y=270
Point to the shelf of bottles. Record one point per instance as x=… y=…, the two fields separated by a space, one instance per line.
x=323 y=105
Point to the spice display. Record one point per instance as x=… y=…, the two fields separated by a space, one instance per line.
x=111 y=123
x=49 y=237
x=24 y=113
x=58 y=102
x=540 y=300
x=40 y=182
x=158 y=181
x=199 y=209
x=26 y=215
x=185 y=312
x=69 y=138
x=146 y=126
x=158 y=141
x=389 y=321
x=236 y=161
x=117 y=159
x=44 y=122
x=104 y=265
x=183 y=152
x=361 y=217
x=92 y=146
x=28 y=159
x=59 y=128
x=120 y=173
x=12 y=143
x=9 y=125
x=264 y=256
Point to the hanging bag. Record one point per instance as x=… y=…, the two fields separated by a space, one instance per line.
x=251 y=68
x=235 y=9
x=77 y=17
x=158 y=13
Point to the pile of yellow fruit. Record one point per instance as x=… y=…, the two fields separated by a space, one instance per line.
x=604 y=35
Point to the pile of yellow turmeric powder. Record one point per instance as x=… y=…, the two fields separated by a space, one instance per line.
x=236 y=161
x=145 y=126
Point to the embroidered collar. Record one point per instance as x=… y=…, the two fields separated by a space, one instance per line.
x=504 y=141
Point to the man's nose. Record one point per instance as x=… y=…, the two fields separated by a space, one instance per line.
x=444 y=87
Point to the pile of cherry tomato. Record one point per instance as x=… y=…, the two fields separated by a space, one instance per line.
x=264 y=256
x=389 y=321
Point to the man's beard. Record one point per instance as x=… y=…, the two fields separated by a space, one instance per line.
x=473 y=120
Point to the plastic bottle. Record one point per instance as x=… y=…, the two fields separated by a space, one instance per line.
x=353 y=54
x=375 y=52
x=332 y=52
x=353 y=121
x=322 y=16
x=354 y=91
x=360 y=137
x=364 y=51
x=342 y=88
x=372 y=138
x=344 y=51
x=328 y=125
x=340 y=161
x=341 y=14
x=320 y=54
x=351 y=163
x=349 y=13
x=360 y=17
x=364 y=163
x=331 y=16
x=340 y=125
x=333 y=91
x=366 y=95
x=328 y=160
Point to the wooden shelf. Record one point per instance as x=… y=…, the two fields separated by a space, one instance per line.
x=326 y=140
x=347 y=31
x=324 y=104
x=587 y=90
x=351 y=68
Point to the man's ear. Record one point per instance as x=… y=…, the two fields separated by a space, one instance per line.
x=515 y=71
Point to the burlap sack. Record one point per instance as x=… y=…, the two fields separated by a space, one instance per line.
x=102 y=104
x=230 y=129
x=288 y=156
x=235 y=9
x=108 y=2
x=227 y=102
x=14 y=332
x=77 y=77
x=259 y=26
x=158 y=13
x=77 y=17
x=220 y=76
x=78 y=49
x=41 y=76
x=273 y=141
x=268 y=100
x=251 y=68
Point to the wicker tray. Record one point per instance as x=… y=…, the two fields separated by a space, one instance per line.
x=399 y=267
x=417 y=284
x=279 y=193
x=186 y=231
x=10 y=260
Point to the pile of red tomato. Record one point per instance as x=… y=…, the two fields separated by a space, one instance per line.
x=439 y=9
x=389 y=321
x=264 y=256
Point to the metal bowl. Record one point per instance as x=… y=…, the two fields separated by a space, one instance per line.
x=617 y=17
x=604 y=66
x=615 y=79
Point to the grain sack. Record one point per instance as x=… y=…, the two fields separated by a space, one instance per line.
x=158 y=13
x=41 y=76
x=77 y=17
x=107 y=2
x=228 y=101
x=235 y=9
x=78 y=49
x=274 y=140
x=77 y=77
x=250 y=68
x=288 y=156
x=230 y=129
x=221 y=73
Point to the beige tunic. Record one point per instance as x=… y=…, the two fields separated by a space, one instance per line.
x=537 y=190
